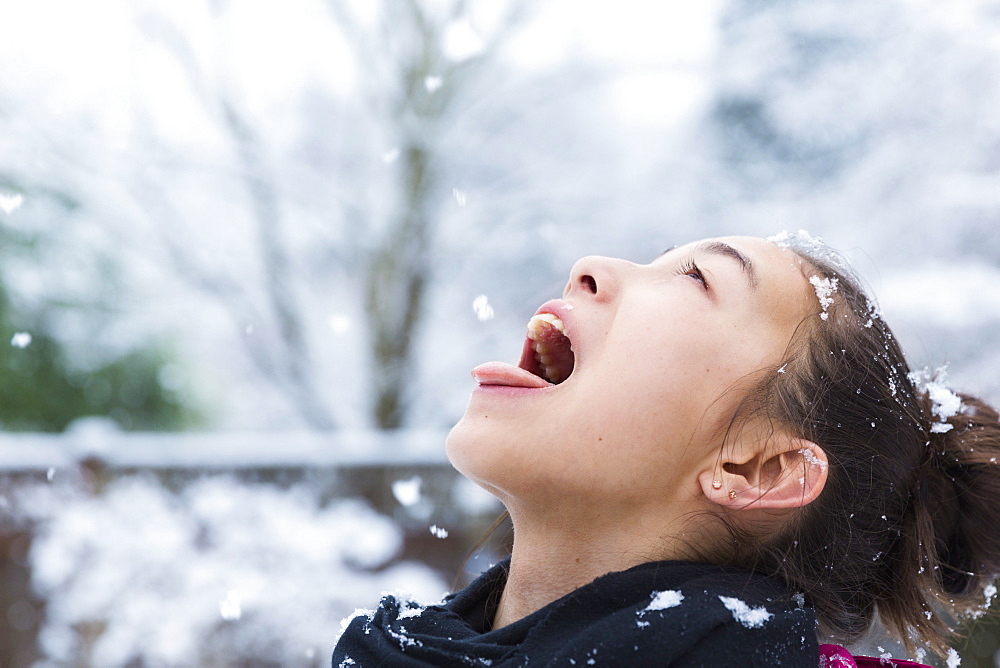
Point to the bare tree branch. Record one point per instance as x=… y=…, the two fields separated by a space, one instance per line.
x=295 y=370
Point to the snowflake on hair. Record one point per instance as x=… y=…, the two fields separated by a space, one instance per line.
x=944 y=402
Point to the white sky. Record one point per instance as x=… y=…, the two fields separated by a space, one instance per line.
x=660 y=46
x=90 y=57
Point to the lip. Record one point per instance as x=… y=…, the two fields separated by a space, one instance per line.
x=560 y=308
x=512 y=391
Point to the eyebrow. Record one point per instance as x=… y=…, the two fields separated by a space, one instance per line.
x=725 y=250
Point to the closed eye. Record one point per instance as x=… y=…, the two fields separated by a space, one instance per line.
x=691 y=269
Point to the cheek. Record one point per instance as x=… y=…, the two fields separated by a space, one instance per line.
x=685 y=362
x=665 y=385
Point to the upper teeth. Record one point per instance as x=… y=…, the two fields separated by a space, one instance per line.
x=538 y=323
x=537 y=327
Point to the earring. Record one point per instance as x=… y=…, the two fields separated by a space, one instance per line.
x=732 y=494
x=716 y=484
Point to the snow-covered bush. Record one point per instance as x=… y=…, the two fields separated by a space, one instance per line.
x=220 y=573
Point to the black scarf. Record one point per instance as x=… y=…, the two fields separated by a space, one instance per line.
x=666 y=613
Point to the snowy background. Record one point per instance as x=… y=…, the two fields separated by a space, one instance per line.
x=265 y=242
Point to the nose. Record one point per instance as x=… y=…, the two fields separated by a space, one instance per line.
x=596 y=277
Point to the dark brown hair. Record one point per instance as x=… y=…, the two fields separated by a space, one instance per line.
x=906 y=526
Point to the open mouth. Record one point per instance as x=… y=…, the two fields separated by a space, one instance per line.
x=547 y=352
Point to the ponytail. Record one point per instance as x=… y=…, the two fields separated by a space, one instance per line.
x=959 y=498
x=954 y=543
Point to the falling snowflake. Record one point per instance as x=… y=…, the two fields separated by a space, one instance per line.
x=459 y=196
x=390 y=156
x=438 y=532
x=21 y=340
x=407 y=492
x=339 y=324
x=11 y=203
x=432 y=83
x=462 y=41
x=231 y=606
x=481 y=305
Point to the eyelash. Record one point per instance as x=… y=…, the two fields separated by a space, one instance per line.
x=688 y=268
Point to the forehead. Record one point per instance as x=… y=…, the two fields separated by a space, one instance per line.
x=783 y=288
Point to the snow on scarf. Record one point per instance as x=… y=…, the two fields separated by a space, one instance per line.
x=665 y=613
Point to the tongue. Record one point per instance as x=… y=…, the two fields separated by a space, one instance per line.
x=499 y=373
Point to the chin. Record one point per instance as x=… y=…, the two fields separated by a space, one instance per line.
x=461 y=445
x=474 y=449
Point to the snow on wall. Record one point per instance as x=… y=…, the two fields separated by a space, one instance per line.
x=215 y=573
x=99 y=438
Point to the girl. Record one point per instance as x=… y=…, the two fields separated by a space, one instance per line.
x=714 y=459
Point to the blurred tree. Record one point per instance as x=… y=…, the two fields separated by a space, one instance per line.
x=421 y=77
x=315 y=242
x=288 y=362
x=417 y=61
x=44 y=386
x=870 y=118
x=40 y=390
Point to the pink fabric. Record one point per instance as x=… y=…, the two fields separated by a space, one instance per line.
x=835 y=656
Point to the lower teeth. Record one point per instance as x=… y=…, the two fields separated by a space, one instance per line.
x=549 y=371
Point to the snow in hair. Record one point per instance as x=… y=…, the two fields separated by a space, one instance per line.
x=809 y=246
x=944 y=402
x=825 y=289
x=800 y=241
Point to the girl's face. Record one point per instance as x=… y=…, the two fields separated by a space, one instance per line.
x=658 y=351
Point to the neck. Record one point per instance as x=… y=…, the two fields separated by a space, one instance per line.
x=551 y=558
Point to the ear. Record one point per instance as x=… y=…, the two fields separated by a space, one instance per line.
x=790 y=476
